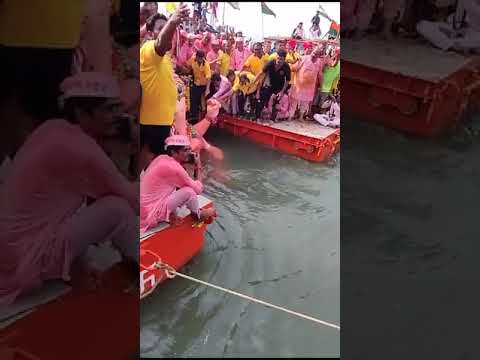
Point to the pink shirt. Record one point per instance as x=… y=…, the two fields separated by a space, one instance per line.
x=160 y=180
x=214 y=66
x=50 y=178
x=223 y=89
x=238 y=58
x=186 y=52
x=306 y=80
x=199 y=44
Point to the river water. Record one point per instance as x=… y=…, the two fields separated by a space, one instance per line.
x=277 y=238
x=410 y=244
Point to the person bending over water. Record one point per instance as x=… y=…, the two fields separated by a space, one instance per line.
x=166 y=186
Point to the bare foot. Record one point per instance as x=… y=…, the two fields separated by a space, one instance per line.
x=174 y=220
x=85 y=276
x=207 y=213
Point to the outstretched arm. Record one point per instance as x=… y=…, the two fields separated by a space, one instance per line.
x=163 y=42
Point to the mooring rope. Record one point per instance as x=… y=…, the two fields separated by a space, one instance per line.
x=171 y=273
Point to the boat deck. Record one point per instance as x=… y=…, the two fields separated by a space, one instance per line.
x=412 y=58
x=306 y=128
x=307 y=140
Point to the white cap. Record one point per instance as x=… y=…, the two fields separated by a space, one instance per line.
x=90 y=84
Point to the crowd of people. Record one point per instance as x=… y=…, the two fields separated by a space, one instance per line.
x=190 y=72
x=448 y=25
x=260 y=81
x=70 y=154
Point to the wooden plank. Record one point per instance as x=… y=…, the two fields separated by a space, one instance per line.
x=310 y=128
x=403 y=56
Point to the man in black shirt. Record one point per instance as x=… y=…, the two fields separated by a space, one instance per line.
x=275 y=81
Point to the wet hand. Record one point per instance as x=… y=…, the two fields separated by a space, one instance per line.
x=213 y=108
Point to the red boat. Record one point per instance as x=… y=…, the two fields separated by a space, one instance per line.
x=407 y=85
x=110 y=327
x=307 y=140
x=172 y=245
x=60 y=321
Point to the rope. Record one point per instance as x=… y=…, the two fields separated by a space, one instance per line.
x=171 y=273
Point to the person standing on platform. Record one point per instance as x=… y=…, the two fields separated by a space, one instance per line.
x=201 y=77
x=159 y=92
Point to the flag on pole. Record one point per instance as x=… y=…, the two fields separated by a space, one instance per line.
x=266 y=10
x=324 y=13
x=334 y=29
x=234 y=5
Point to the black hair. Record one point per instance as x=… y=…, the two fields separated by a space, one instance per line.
x=216 y=77
x=150 y=24
x=173 y=148
x=230 y=72
x=151 y=2
x=200 y=53
x=84 y=103
x=282 y=53
x=244 y=76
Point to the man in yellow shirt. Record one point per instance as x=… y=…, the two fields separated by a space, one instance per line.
x=201 y=77
x=159 y=92
x=225 y=58
x=37 y=42
x=256 y=62
x=244 y=90
x=292 y=58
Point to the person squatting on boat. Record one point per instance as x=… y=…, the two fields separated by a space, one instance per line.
x=332 y=117
x=166 y=186
x=63 y=193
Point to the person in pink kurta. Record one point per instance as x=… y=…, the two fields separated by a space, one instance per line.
x=307 y=48
x=159 y=197
x=205 y=43
x=309 y=74
x=239 y=55
x=45 y=219
x=198 y=131
x=213 y=57
x=186 y=51
x=281 y=108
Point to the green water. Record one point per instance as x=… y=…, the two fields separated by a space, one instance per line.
x=278 y=239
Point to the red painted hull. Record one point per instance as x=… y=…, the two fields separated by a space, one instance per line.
x=83 y=324
x=412 y=105
x=305 y=147
x=175 y=246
